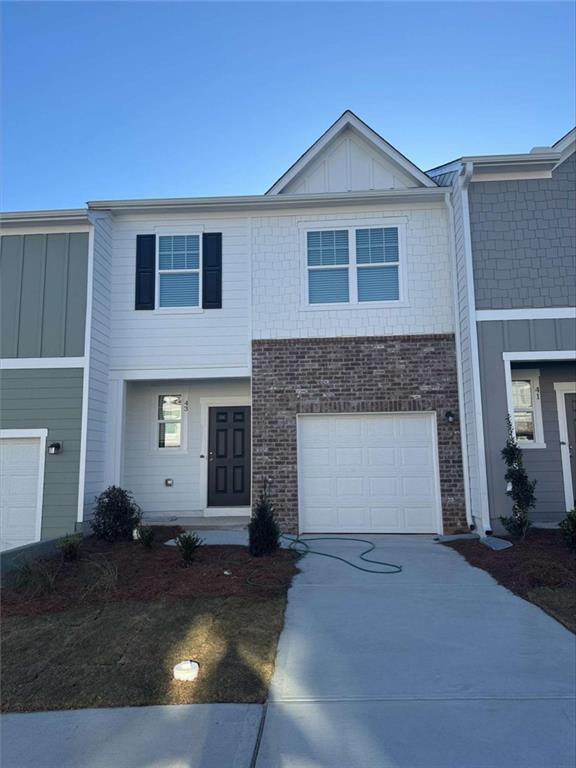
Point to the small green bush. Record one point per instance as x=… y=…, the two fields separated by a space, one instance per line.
x=263 y=531
x=101 y=575
x=36 y=577
x=188 y=544
x=568 y=528
x=146 y=534
x=116 y=515
x=70 y=546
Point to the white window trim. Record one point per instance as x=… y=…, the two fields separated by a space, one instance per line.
x=178 y=310
x=562 y=389
x=533 y=375
x=351 y=226
x=39 y=434
x=183 y=394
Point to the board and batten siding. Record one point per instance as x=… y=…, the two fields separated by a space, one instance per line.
x=495 y=338
x=214 y=338
x=146 y=467
x=49 y=399
x=278 y=261
x=43 y=281
x=98 y=362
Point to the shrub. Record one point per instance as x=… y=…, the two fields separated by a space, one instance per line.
x=70 y=546
x=568 y=528
x=146 y=534
x=116 y=514
x=36 y=577
x=188 y=544
x=519 y=487
x=263 y=530
x=101 y=575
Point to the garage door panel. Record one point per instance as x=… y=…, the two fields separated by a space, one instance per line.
x=368 y=473
x=350 y=486
x=19 y=475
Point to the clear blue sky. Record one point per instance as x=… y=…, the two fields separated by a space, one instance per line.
x=114 y=100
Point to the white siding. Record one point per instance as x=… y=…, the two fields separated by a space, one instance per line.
x=278 y=276
x=146 y=467
x=466 y=358
x=98 y=362
x=217 y=338
x=350 y=163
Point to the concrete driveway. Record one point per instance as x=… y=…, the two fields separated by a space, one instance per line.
x=436 y=667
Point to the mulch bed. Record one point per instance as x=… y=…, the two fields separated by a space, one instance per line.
x=147 y=575
x=541 y=569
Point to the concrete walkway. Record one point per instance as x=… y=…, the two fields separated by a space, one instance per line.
x=436 y=667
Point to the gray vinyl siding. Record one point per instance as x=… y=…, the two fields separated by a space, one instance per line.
x=524 y=241
x=495 y=338
x=50 y=399
x=99 y=361
x=43 y=284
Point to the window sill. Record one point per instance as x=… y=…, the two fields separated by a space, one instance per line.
x=358 y=305
x=532 y=446
x=179 y=310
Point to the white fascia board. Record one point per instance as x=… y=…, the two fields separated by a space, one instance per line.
x=530 y=313
x=350 y=120
x=171 y=374
x=69 y=217
x=272 y=203
x=539 y=355
x=31 y=363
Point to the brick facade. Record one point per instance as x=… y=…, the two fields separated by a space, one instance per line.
x=348 y=375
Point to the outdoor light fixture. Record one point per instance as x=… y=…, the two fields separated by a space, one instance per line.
x=450 y=417
x=54 y=448
x=168 y=482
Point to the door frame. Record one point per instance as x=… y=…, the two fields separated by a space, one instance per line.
x=37 y=434
x=436 y=459
x=205 y=404
x=563 y=388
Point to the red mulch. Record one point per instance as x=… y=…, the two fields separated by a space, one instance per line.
x=542 y=560
x=154 y=574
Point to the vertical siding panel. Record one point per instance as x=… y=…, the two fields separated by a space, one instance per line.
x=11 y=248
x=76 y=298
x=54 y=297
x=31 y=300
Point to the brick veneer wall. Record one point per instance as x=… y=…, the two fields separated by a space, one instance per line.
x=348 y=375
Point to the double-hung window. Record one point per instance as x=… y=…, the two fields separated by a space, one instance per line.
x=179 y=258
x=353 y=265
x=527 y=407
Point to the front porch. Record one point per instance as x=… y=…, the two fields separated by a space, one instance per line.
x=185 y=450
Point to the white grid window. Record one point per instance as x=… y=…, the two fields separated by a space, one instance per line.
x=179 y=259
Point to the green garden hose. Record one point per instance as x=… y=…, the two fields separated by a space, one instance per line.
x=301 y=546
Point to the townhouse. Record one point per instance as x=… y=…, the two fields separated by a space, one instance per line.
x=515 y=221
x=318 y=339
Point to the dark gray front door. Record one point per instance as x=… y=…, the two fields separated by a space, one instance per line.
x=571 y=428
x=229 y=456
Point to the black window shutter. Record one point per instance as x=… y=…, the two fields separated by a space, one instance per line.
x=212 y=270
x=145 y=271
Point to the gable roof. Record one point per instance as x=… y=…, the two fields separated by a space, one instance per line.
x=349 y=121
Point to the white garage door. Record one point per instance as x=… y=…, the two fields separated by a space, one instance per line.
x=20 y=468
x=368 y=473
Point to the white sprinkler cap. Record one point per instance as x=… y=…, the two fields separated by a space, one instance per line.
x=186 y=670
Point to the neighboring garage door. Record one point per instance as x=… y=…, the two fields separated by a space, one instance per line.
x=372 y=473
x=21 y=473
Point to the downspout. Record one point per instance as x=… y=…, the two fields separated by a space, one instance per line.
x=463 y=436
x=466 y=176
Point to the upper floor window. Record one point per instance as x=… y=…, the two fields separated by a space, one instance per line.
x=527 y=407
x=179 y=259
x=353 y=265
